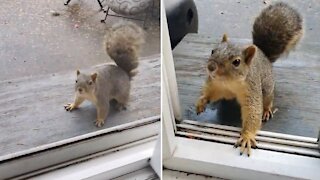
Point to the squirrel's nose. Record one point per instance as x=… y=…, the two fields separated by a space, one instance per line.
x=212 y=66
x=80 y=90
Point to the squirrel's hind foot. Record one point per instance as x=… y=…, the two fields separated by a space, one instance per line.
x=120 y=107
x=99 y=123
x=268 y=114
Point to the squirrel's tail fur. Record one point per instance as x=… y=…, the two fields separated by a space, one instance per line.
x=122 y=43
x=277 y=30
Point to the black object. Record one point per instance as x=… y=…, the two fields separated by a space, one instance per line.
x=100 y=4
x=126 y=17
x=150 y=8
x=182 y=18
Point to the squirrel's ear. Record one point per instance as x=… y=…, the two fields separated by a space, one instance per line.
x=249 y=53
x=94 y=77
x=224 y=38
x=78 y=72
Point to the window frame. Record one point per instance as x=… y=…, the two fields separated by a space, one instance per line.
x=116 y=163
x=63 y=153
x=215 y=158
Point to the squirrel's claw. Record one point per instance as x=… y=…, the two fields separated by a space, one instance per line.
x=200 y=107
x=201 y=104
x=99 y=123
x=69 y=107
x=268 y=114
x=246 y=141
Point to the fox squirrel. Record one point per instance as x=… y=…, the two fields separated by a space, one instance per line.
x=122 y=44
x=245 y=73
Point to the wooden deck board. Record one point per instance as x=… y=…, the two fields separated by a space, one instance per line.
x=297 y=92
x=32 y=111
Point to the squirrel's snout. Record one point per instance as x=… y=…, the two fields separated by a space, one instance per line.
x=212 y=66
x=80 y=90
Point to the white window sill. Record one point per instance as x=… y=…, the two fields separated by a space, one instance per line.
x=112 y=165
x=63 y=153
x=222 y=160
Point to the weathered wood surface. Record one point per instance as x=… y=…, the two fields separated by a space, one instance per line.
x=297 y=92
x=32 y=111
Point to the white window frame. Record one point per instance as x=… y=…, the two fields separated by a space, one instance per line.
x=70 y=151
x=221 y=159
x=115 y=164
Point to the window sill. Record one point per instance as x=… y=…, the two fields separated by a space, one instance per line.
x=63 y=153
x=112 y=165
x=222 y=160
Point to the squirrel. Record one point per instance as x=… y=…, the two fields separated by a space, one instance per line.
x=111 y=82
x=245 y=73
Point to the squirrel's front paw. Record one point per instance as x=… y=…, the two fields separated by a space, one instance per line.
x=99 y=123
x=69 y=107
x=200 y=106
x=246 y=140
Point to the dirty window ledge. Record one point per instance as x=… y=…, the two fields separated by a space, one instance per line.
x=69 y=150
x=116 y=163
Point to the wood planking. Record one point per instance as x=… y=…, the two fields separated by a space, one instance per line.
x=32 y=111
x=297 y=85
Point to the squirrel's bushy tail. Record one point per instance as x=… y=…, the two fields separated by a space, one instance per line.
x=122 y=43
x=277 y=30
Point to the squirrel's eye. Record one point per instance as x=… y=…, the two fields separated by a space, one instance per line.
x=76 y=81
x=212 y=51
x=236 y=62
x=90 y=82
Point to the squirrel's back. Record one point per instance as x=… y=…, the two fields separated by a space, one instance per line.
x=277 y=30
x=123 y=42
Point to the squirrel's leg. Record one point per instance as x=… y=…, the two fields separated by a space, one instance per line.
x=201 y=104
x=122 y=101
x=71 y=106
x=267 y=106
x=268 y=94
x=251 y=111
x=102 y=112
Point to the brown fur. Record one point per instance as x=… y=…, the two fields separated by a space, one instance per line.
x=246 y=73
x=110 y=82
x=277 y=30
